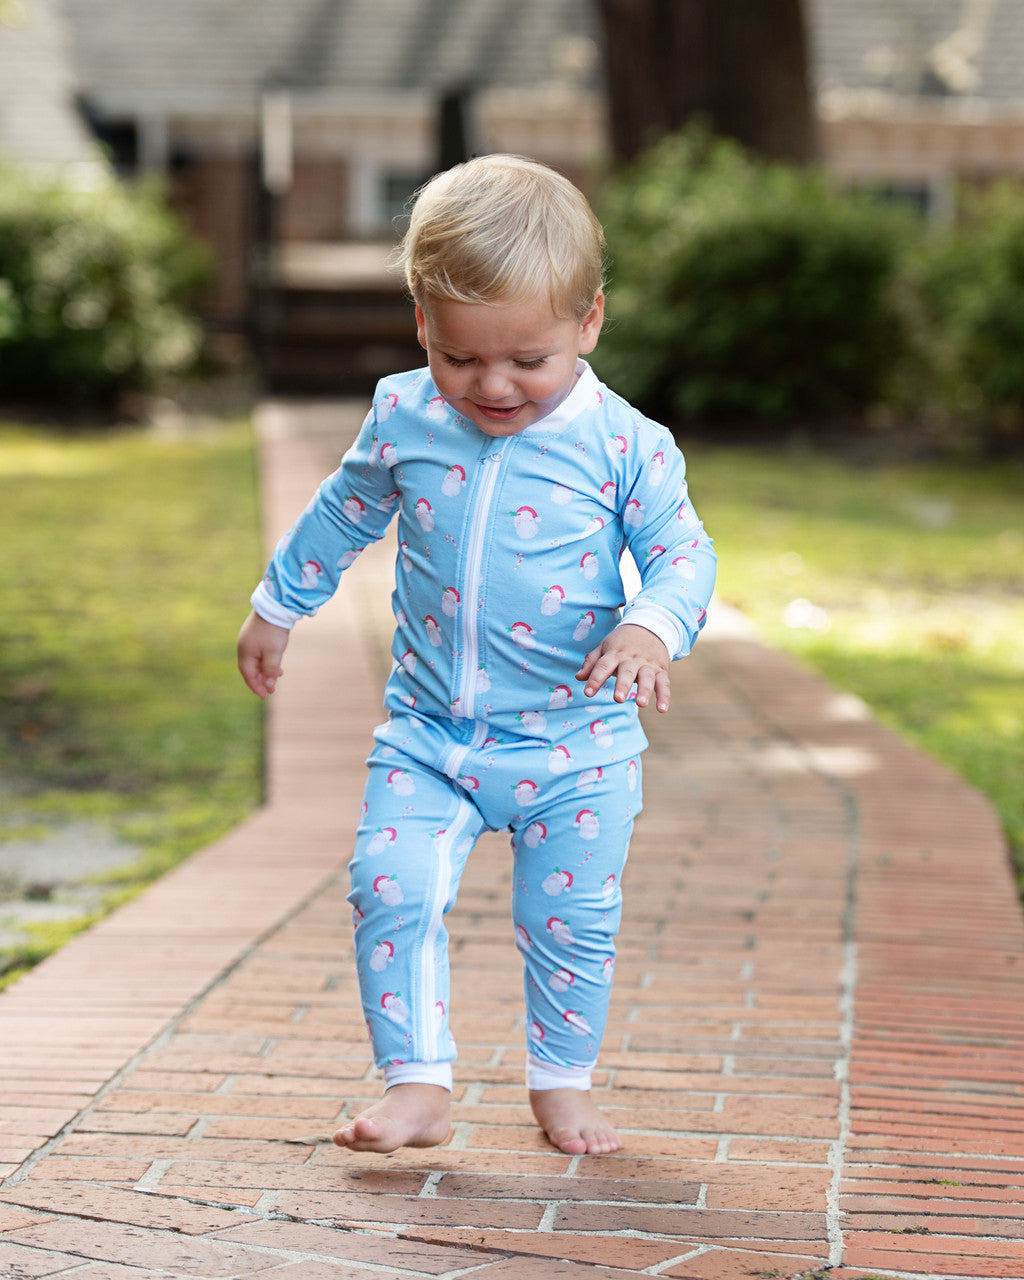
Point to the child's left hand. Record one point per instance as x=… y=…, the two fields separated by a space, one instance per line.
x=633 y=655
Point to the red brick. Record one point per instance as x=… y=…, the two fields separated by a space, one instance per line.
x=201 y=1104
x=611 y=1250
x=215 y=1195
x=118 y=1205
x=175 y=1148
x=76 y=1169
x=174 y=1081
x=771 y=1187
x=293 y=1177
x=696 y=1224
x=727 y=1264
x=504 y=1187
x=341 y=1207
x=1007 y=1227
x=326 y=1271
x=12 y=1217
x=926 y=1254
x=21 y=1263
x=113 y=1271
x=553 y=1269
x=115 y=1242
x=767 y=1149
x=994 y=1188
x=123 y=1122
x=329 y=1243
x=907 y=1204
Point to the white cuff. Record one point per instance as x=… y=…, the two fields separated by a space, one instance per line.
x=665 y=625
x=546 y=1075
x=439 y=1073
x=270 y=610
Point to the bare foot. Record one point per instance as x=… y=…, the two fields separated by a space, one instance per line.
x=409 y=1115
x=573 y=1122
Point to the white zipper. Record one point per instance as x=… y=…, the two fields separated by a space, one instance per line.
x=471 y=582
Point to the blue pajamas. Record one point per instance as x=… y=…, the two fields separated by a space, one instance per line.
x=507 y=575
x=570 y=837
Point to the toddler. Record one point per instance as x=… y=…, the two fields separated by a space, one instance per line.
x=518 y=480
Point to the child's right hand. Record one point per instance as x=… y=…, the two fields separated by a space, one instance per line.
x=261 y=647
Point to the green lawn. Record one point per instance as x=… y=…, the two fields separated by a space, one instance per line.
x=127 y=563
x=901 y=583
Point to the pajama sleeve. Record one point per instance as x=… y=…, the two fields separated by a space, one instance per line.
x=674 y=554
x=351 y=509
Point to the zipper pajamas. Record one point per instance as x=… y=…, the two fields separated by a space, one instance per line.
x=507 y=574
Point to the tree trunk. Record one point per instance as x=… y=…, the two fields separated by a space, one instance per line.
x=740 y=65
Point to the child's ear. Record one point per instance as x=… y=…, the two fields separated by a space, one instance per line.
x=590 y=329
x=421 y=327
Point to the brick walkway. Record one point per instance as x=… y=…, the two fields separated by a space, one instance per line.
x=814 y=1049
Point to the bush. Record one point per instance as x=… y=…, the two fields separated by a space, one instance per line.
x=971 y=286
x=747 y=289
x=95 y=287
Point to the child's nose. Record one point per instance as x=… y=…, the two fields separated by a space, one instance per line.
x=493 y=383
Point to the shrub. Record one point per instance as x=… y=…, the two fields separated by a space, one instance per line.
x=971 y=286
x=95 y=287
x=747 y=289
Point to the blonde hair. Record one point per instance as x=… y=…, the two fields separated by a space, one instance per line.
x=500 y=229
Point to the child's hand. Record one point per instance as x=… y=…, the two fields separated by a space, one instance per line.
x=261 y=646
x=633 y=655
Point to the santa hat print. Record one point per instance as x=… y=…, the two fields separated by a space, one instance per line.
x=386 y=407
x=454 y=480
x=557 y=882
x=522 y=634
x=527 y=522
x=535 y=834
x=561 y=695
x=401 y=783
x=381 y=839
x=560 y=931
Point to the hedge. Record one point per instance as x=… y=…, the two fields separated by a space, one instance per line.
x=96 y=290
x=741 y=289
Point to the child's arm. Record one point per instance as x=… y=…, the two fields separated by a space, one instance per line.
x=633 y=655
x=261 y=646
x=674 y=554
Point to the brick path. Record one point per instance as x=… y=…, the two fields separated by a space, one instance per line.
x=814 y=1048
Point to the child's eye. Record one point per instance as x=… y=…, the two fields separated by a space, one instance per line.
x=459 y=364
x=538 y=363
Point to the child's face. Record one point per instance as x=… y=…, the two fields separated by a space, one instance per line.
x=504 y=367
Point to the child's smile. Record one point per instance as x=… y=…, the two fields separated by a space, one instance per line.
x=504 y=367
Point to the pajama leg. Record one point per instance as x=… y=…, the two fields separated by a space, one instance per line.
x=416 y=832
x=567 y=905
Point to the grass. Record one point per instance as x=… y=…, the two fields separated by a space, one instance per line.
x=903 y=584
x=128 y=559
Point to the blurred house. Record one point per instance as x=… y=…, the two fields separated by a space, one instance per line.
x=292 y=132
x=920 y=95
x=308 y=124
x=40 y=125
